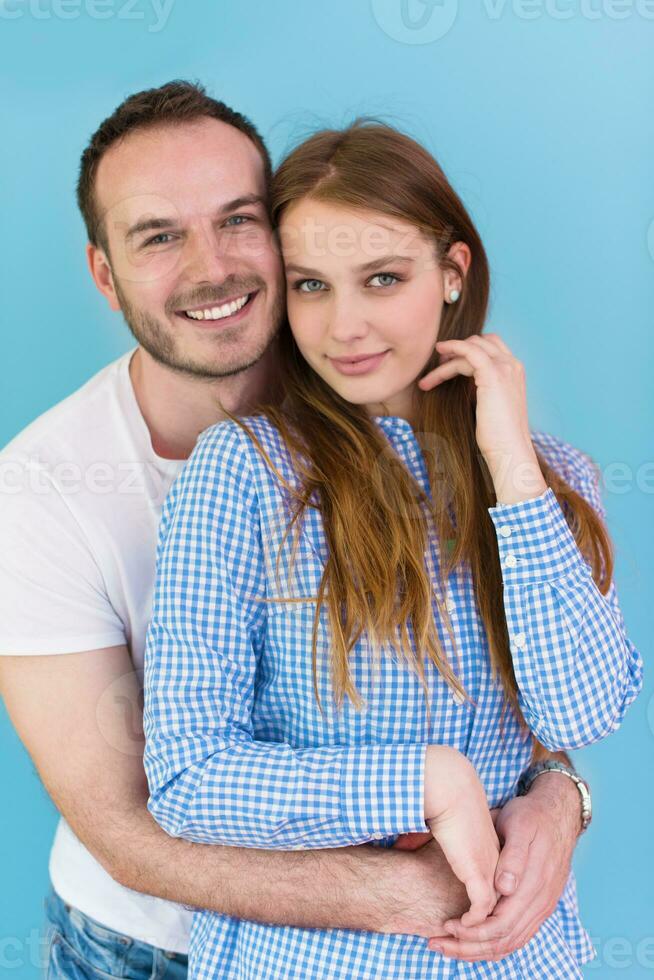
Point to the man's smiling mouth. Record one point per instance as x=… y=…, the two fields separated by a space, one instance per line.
x=218 y=311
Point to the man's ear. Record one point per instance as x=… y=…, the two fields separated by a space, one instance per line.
x=102 y=275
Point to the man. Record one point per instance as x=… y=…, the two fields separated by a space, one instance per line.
x=173 y=190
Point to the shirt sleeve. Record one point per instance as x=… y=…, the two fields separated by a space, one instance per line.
x=211 y=780
x=577 y=671
x=54 y=599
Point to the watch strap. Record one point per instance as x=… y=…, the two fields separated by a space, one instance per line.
x=552 y=765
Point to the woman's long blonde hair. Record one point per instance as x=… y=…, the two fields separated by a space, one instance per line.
x=375 y=516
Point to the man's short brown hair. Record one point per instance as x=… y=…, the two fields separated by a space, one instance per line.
x=175 y=102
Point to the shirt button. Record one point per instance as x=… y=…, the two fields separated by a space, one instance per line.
x=520 y=641
x=458 y=698
x=505 y=531
x=510 y=561
x=378 y=836
x=450 y=605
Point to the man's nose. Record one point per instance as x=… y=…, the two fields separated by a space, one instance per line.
x=206 y=261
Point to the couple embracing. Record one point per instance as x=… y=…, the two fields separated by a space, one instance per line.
x=383 y=606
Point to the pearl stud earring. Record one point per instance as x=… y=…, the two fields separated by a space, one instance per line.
x=454 y=295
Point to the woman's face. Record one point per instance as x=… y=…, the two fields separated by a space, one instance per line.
x=361 y=284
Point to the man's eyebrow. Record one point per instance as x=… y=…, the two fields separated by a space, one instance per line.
x=246 y=200
x=366 y=267
x=149 y=224
x=158 y=224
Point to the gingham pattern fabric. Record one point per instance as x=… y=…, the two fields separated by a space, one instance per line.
x=238 y=752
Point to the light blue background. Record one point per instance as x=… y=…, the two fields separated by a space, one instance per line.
x=538 y=113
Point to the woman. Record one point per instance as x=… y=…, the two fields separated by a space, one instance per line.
x=377 y=595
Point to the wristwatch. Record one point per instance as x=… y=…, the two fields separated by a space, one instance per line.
x=551 y=765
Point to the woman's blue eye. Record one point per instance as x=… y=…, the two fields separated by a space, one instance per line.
x=385 y=279
x=309 y=286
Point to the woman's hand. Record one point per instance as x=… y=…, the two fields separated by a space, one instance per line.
x=457 y=813
x=502 y=431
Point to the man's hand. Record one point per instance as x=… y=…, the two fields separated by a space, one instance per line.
x=538 y=833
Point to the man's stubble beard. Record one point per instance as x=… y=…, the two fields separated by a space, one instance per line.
x=159 y=343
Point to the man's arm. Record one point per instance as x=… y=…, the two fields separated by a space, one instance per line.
x=80 y=718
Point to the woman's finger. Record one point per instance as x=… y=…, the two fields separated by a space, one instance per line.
x=448 y=369
x=483 y=900
x=500 y=925
x=486 y=344
x=459 y=357
x=457 y=345
x=477 y=356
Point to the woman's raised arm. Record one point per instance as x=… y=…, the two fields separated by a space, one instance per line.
x=576 y=669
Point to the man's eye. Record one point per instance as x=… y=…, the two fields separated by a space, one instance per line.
x=237 y=219
x=384 y=279
x=309 y=286
x=159 y=239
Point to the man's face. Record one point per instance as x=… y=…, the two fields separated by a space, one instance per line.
x=193 y=259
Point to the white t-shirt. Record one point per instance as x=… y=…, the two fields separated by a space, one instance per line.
x=81 y=491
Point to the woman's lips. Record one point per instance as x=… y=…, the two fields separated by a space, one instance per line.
x=360 y=366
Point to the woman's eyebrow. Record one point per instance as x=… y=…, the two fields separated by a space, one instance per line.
x=383 y=260
x=303 y=270
x=365 y=267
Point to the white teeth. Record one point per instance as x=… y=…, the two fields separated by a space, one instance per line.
x=219 y=312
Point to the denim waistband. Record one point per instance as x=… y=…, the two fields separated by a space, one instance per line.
x=106 y=949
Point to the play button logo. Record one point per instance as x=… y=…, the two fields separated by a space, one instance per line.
x=415 y=21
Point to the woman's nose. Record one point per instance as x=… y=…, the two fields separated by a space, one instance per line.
x=346 y=323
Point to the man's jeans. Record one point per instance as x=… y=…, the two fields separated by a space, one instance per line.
x=82 y=949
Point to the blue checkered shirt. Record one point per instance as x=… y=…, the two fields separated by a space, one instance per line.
x=238 y=752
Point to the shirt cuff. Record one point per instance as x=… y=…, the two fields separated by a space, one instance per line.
x=534 y=540
x=383 y=790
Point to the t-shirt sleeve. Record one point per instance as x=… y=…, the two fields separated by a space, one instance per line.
x=52 y=594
